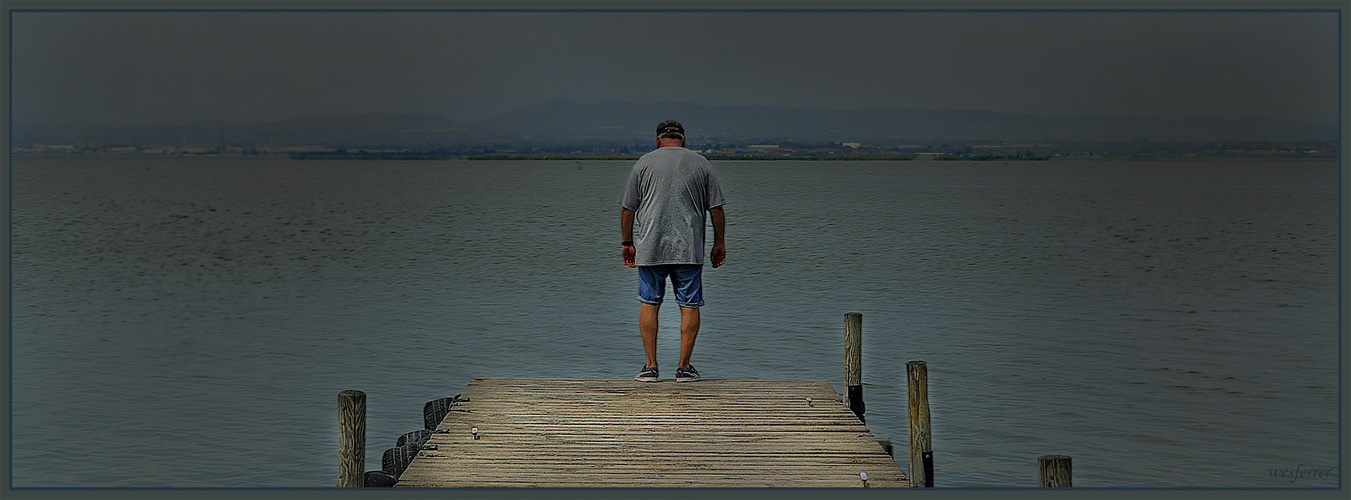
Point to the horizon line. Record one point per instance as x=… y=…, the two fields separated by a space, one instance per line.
x=661 y=103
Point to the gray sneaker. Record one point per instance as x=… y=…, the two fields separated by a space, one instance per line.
x=649 y=374
x=686 y=374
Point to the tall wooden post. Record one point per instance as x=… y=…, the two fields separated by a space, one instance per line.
x=1055 y=471
x=921 y=440
x=351 y=439
x=853 y=362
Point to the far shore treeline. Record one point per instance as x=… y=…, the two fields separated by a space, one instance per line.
x=837 y=152
x=566 y=130
x=1136 y=150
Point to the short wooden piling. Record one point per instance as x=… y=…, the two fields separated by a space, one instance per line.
x=921 y=441
x=1055 y=471
x=853 y=363
x=351 y=439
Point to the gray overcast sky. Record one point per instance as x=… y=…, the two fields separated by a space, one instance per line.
x=174 y=67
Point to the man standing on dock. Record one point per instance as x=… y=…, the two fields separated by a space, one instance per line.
x=668 y=192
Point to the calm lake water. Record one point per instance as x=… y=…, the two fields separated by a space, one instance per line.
x=189 y=322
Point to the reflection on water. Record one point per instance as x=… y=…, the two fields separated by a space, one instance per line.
x=192 y=320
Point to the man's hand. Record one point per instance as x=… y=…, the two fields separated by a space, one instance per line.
x=630 y=255
x=719 y=255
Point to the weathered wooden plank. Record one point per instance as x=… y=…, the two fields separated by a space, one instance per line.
x=660 y=480
x=669 y=455
x=612 y=466
x=697 y=423
x=657 y=478
x=603 y=476
x=775 y=440
x=618 y=466
x=621 y=433
x=652 y=477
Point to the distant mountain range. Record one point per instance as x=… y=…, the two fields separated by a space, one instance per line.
x=623 y=124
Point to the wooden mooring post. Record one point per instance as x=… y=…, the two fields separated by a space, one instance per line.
x=351 y=439
x=921 y=440
x=1054 y=471
x=853 y=363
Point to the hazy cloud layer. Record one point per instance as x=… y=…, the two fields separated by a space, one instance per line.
x=174 y=67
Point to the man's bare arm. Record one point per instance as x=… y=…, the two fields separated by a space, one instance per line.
x=626 y=234
x=719 y=254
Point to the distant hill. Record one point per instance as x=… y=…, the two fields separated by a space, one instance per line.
x=618 y=120
x=629 y=123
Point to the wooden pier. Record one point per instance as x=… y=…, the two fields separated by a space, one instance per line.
x=587 y=433
x=622 y=433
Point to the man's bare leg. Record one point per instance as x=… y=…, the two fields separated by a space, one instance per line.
x=647 y=324
x=689 y=329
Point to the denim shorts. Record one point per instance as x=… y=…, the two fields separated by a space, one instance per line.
x=687 y=279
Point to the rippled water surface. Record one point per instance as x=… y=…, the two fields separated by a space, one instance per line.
x=190 y=321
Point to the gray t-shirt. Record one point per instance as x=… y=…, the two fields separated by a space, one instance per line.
x=669 y=190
